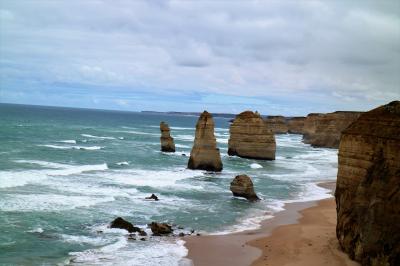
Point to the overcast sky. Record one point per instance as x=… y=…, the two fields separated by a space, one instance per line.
x=277 y=57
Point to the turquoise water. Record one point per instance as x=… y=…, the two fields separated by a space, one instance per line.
x=66 y=173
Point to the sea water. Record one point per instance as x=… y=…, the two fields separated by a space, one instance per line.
x=66 y=173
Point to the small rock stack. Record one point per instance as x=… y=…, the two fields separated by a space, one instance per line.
x=242 y=186
x=205 y=154
x=167 y=142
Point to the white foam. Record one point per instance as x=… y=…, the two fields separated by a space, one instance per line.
x=36 y=230
x=122 y=163
x=184 y=137
x=95 y=137
x=48 y=202
x=72 y=147
x=70 y=141
x=84 y=239
x=256 y=166
x=181 y=146
x=182 y=128
x=137 y=132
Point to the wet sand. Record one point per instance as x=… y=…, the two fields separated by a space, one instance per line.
x=302 y=234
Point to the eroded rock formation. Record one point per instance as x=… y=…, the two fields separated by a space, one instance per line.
x=123 y=224
x=324 y=130
x=277 y=124
x=250 y=137
x=368 y=187
x=205 y=154
x=167 y=142
x=242 y=186
x=159 y=229
x=296 y=125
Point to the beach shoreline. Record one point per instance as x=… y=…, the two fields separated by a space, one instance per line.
x=279 y=240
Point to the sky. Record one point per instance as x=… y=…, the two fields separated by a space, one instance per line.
x=277 y=57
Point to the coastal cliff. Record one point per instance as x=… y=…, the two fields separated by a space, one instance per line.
x=167 y=142
x=277 y=124
x=324 y=130
x=368 y=187
x=251 y=138
x=296 y=125
x=205 y=154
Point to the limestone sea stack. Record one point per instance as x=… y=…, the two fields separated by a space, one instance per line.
x=242 y=186
x=368 y=187
x=251 y=138
x=324 y=130
x=296 y=125
x=205 y=154
x=277 y=124
x=167 y=142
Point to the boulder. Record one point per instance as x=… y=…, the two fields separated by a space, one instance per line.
x=159 y=229
x=296 y=125
x=277 y=124
x=368 y=187
x=242 y=186
x=167 y=142
x=123 y=224
x=251 y=138
x=324 y=130
x=205 y=154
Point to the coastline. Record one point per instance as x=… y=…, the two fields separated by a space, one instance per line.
x=302 y=234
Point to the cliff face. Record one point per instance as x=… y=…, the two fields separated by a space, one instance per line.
x=296 y=125
x=167 y=142
x=368 y=187
x=324 y=130
x=277 y=124
x=205 y=154
x=251 y=138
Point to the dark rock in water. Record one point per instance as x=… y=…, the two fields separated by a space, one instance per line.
x=368 y=188
x=131 y=237
x=143 y=239
x=142 y=233
x=181 y=234
x=184 y=155
x=123 y=224
x=154 y=197
x=160 y=228
x=242 y=186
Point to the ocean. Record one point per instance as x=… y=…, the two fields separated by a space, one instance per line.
x=66 y=173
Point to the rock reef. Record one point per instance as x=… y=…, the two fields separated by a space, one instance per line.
x=277 y=124
x=242 y=186
x=251 y=138
x=324 y=130
x=167 y=142
x=368 y=187
x=205 y=154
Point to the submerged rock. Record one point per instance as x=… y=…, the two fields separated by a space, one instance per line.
x=205 y=154
x=242 y=186
x=368 y=187
x=251 y=138
x=152 y=197
x=167 y=142
x=324 y=130
x=161 y=228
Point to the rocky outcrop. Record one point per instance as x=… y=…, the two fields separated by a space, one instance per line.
x=205 y=154
x=167 y=142
x=296 y=125
x=242 y=186
x=277 y=124
x=368 y=187
x=123 y=224
x=152 y=197
x=159 y=229
x=324 y=130
x=251 y=138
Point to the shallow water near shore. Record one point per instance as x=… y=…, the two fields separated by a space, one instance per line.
x=66 y=173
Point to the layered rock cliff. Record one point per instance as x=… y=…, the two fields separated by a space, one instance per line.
x=251 y=138
x=324 y=130
x=296 y=125
x=205 y=154
x=368 y=187
x=277 y=124
x=167 y=142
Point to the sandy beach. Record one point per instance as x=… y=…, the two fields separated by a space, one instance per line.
x=302 y=234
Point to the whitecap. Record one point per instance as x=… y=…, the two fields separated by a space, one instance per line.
x=122 y=163
x=181 y=146
x=70 y=141
x=95 y=137
x=256 y=166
